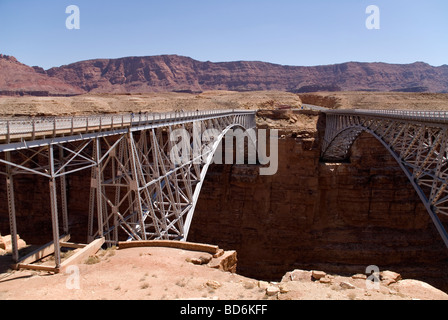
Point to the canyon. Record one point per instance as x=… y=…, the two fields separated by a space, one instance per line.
x=311 y=215
x=338 y=217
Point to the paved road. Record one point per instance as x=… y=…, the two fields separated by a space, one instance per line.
x=52 y=126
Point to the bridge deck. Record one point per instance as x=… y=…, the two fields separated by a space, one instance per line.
x=406 y=115
x=24 y=133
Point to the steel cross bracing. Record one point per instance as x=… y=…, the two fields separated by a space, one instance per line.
x=418 y=140
x=136 y=190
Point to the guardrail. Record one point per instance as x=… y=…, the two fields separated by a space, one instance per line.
x=31 y=127
x=426 y=116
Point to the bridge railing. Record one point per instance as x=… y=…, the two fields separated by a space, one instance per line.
x=427 y=116
x=31 y=127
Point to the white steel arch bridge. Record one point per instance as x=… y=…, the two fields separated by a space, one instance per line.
x=418 y=140
x=136 y=190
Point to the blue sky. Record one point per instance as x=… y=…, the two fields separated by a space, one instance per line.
x=289 y=32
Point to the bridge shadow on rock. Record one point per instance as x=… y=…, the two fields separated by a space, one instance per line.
x=339 y=218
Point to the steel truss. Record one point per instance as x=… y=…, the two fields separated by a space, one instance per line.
x=136 y=191
x=417 y=140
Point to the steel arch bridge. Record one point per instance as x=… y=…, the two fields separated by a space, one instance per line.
x=418 y=140
x=136 y=190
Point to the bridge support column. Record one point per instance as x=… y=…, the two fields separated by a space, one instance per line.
x=134 y=185
x=90 y=234
x=97 y=185
x=95 y=200
x=64 y=206
x=54 y=209
x=12 y=210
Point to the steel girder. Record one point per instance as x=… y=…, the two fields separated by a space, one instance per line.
x=53 y=162
x=135 y=189
x=138 y=192
x=418 y=143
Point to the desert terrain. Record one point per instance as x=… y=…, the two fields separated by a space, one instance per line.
x=150 y=102
x=86 y=104
x=378 y=100
x=169 y=274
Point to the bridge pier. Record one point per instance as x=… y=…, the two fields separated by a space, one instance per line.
x=11 y=209
x=54 y=207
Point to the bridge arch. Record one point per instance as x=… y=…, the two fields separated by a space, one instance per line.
x=251 y=139
x=155 y=199
x=419 y=144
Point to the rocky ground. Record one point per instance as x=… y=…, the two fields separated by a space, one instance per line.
x=150 y=102
x=170 y=101
x=378 y=100
x=173 y=274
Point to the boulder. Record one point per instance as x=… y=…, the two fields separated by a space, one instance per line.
x=317 y=275
x=419 y=290
x=227 y=262
x=203 y=259
x=389 y=277
x=326 y=280
x=6 y=243
x=346 y=285
x=283 y=287
x=214 y=284
x=272 y=291
x=297 y=275
x=359 y=276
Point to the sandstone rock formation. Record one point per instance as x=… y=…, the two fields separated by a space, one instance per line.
x=183 y=74
x=19 y=79
x=178 y=73
x=378 y=100
x=355 y=287
x=6 y=244
x=158 y=273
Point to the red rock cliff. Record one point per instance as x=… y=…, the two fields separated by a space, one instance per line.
x=19 y=79
x=172 y=72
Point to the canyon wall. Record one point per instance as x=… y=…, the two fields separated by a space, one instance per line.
x=178 y=73
x=338 y=218
x=18 y=79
